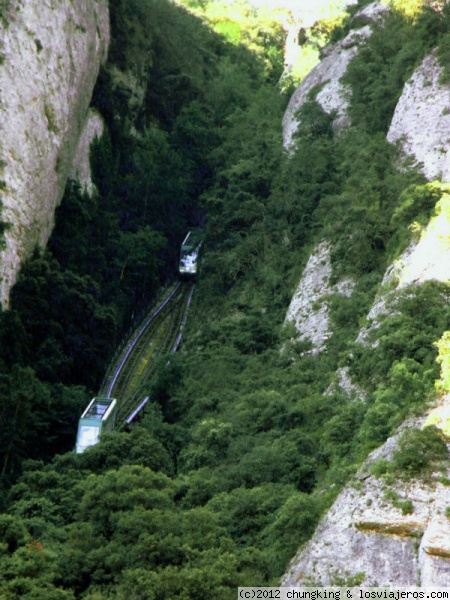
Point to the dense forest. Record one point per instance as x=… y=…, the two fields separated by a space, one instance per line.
x=241 y=450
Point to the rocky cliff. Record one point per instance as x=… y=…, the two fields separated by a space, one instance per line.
x=51 y=53
x=332 y=95
x=364 y=537
x=381 y=533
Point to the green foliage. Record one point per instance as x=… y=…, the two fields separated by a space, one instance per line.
x=384 y=64
x=341 y=26
x=27 y=566
x=421 y=315
x=400 y=370
x=417 y=202
x=5 y=7
x=416 y=205
x=443 y=359
x=69 y=331
x=406 y=506
x=240 y=23
x=347 y=580
x=294 y=523
x=13 y=533
x=37 y=419
x=418 y=453
x=231 y=31
x=120 y=449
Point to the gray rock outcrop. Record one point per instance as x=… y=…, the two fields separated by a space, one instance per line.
x=424 y=260
x=333 y=95
x=368 y=536
x=421 y=121
x=309 y=309
x=51 y=54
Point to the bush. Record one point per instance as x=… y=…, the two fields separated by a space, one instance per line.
x=418 y=449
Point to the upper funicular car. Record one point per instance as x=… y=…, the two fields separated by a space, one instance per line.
x=189 y=254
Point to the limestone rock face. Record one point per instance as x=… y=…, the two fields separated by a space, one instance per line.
x=327 y=74
x=52 y=51
x=365 y=535
x=421 y=121
x=308 y=309
x=424 y=260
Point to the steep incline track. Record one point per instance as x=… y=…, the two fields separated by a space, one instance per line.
x=157 y=334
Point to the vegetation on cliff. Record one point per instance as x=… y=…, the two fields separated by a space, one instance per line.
x=241 y=449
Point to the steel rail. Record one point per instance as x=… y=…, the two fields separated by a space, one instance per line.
x=136 y=338
x=167 y=330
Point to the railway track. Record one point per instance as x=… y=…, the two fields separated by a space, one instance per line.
x=157 y=334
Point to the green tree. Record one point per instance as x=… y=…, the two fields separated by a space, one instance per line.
x=443 y=359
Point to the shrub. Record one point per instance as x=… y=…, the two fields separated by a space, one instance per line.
x=417 y=451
